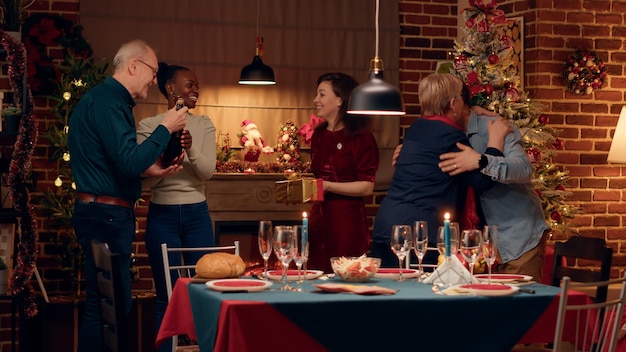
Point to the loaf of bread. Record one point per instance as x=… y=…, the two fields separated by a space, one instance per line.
x=220 y=265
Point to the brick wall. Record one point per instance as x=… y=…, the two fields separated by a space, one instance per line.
x=553 y=29
x=428 y=29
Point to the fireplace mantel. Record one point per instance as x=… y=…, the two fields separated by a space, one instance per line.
x=238 y=201
x=248 y=197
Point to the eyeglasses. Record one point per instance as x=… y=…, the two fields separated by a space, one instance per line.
x=154 y=70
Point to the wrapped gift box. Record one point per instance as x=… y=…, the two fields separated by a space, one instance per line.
x=301 y=190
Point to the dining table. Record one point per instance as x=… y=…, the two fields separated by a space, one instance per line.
x=415 y=317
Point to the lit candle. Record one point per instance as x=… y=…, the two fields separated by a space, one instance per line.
x=446 y=233
x=305 y=226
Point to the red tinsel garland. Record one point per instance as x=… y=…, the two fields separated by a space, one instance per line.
x=20 y=282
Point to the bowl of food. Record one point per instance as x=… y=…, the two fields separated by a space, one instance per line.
x=355 y=269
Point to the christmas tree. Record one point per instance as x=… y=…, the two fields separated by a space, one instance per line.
x=483 y=59
x=288 y=146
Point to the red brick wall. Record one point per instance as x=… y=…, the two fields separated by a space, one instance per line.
x=428 y=28
x=553 y=29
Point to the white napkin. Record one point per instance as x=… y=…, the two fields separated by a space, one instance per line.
x=453 y=273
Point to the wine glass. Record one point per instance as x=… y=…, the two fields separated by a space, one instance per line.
x=471 y=242
x=283 y=246
x=401 y=244
x=265 y=243
x=490 y=247
x=420 y=243
x=301 y=251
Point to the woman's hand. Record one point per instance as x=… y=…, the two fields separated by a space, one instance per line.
x=185 y=140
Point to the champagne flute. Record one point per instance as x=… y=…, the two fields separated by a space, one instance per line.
x=265 y=243
x=471 y=242
x=490 y=247
x=301 y=251
x=420 y=243
x=283 y=246
x=401 y=244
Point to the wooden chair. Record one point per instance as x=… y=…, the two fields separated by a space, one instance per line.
x=186 y=270
x=596 y=324
x=114 y=329
x=586 y=248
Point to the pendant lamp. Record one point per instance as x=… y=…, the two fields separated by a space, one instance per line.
x=257 y=73
x=376 y=97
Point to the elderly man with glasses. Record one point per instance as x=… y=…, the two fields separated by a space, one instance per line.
x=108 y=166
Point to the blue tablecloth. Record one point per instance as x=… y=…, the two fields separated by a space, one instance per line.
x=413 y=319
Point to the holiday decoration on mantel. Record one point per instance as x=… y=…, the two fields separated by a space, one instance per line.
x=583 y=72
x=307 y=129
x=288 y=146
x=252 y=142
x=483 y=60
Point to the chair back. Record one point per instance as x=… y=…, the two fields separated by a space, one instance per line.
x=586 y=248
x=410 y=264
x=114 y=331
x=595 y=324
x=186 y=269
x=175 y=266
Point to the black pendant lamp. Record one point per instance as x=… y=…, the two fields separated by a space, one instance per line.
x=257 y=73
x=376 y=97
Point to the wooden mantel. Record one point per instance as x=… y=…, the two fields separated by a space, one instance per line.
x=248 y=197
x=237 y=201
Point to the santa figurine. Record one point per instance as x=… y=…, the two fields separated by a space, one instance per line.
x=252 y=142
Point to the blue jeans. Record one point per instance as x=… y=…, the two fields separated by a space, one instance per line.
x=185 y=225
x=112 y=225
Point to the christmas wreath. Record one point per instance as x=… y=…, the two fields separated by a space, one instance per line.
x=43 y=31
x=584 y=72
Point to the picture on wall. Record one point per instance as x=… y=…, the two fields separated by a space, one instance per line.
x=515 y=30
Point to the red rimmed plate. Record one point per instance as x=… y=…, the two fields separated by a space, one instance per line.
x=292 y=274
x=392 y=273
x=238 y=285
x=503 y=277
x=490 y=290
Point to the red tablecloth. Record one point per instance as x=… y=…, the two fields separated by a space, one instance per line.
x=178 y=320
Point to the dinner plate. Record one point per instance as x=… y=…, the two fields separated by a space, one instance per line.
x=490 y=290
x=292 y=274
x=392 y=273
x=503 y=277
x=245 y=285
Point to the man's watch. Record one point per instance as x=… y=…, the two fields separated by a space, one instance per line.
x=482 y=161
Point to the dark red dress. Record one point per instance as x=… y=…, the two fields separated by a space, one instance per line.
x=338 y=225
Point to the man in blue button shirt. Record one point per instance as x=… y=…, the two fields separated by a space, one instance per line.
x=108 y=164
x=511 y=204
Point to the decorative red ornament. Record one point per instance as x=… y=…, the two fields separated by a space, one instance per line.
x=560 y=188
x=534 y=155
x=543 y=119
x=512 y=94
x=493 y=59
x=489 y=88
x=558 y=144
x=556 y=216
x=539 y=193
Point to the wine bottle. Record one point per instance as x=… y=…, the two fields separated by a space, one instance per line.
x=174 y=148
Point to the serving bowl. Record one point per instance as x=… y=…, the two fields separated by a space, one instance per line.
x=355 y=269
